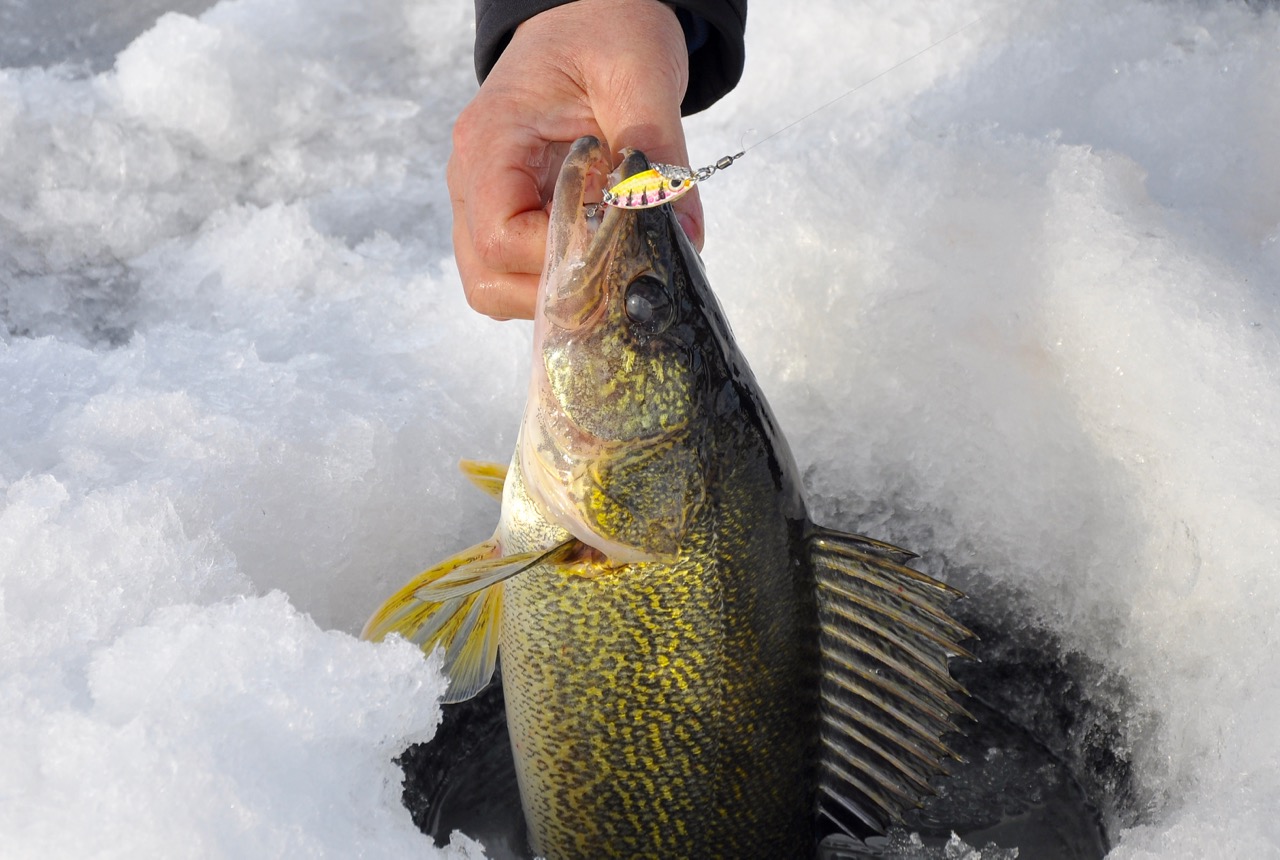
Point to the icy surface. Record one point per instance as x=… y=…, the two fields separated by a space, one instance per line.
x=1015 y=304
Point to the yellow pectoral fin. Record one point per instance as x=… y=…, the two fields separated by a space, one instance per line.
x=403 y=612
x=472 y=651
x=458 y=605
x=489 y=477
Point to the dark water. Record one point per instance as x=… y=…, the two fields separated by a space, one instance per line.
x=1037 y=775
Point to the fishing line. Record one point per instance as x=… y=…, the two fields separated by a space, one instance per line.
x=869 y=80
x=664 y=183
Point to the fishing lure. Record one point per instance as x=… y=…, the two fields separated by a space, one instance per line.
x=666 y=183
x=662 y=183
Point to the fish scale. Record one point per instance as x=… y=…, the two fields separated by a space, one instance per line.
x=695 y=690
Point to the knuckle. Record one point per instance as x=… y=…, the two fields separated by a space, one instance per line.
x=492 y=248
x=477 y=295
x=464 y=127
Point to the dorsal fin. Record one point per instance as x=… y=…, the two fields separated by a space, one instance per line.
x=887 y=694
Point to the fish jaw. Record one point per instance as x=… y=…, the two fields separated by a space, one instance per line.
x=614 y=396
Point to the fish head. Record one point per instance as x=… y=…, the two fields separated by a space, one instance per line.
x=625 y=369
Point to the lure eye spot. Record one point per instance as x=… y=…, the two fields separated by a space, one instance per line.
x=676 y=184
x=648 y=306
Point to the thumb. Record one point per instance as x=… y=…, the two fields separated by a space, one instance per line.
x=638 y=106
x=661 y=139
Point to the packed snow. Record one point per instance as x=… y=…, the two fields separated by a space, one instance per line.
x=1015 y=304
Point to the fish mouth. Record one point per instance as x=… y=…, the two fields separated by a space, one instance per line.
x=559 y=458
x=582 y=234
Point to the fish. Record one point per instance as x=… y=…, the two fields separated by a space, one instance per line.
x=691 y=666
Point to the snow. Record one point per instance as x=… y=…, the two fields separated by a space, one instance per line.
x=1015 y=304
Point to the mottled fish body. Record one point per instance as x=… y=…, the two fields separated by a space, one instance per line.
x=691 y=667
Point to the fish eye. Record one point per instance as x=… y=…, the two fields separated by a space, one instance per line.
x=676 y=184
x=648 y=305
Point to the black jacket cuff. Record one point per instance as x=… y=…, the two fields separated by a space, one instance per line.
x=713 y=30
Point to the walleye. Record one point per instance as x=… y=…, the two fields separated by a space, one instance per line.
x=691 y=667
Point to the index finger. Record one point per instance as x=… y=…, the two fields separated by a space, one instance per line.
x=500 y=195
x=647 y=118
x=668 y=147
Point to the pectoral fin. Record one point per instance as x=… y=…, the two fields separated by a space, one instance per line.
x=489 y=477
x=887 y=694
x=458 y=605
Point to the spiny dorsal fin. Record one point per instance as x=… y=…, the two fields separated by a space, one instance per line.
x=458 y=605
x=489 y=477
x=836 y=541
x=885 y=638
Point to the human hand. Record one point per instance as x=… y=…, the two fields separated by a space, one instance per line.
x=615 y=69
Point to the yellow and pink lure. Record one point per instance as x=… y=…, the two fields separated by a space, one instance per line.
x=662 y=183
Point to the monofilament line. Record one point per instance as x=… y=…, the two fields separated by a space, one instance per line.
x=869 y=80
x=665 y=183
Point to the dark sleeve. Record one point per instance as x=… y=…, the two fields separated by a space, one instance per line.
x=713 y=30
